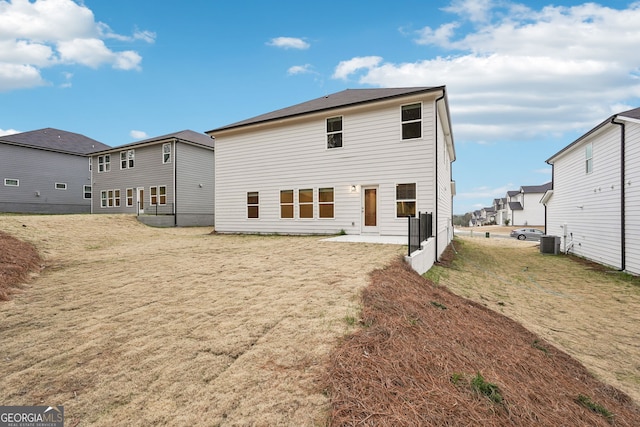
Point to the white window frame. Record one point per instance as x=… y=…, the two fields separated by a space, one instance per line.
x=104 y=163
x=331 y=133
x=103 y=199
x=162 y=192
x=153 y=195
x=410 y=121
x=588 y=155
x=60 y=186
x=288 y=204
x=405 y=200
x=332 y=203
x=116 y=198
x=123 y=160
x=311 y=203
x=85 y=191
x=129 y=195
x=131 y=156
x=256 y=205
x=110 y=198
x=9 y=182
x=166 y=151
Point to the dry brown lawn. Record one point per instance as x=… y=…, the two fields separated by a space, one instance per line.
x=588 y=311
x=131 y=325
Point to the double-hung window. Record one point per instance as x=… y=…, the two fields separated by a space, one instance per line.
x=286 y=203
x=412 y=121
x=334 y=132
x=588 y=154
x=103 y=199
x=166 y=153
x=87 y=191
x=325 y=202
x=110 y=198
x=104 y=163
x=305 y=203
x=116 y=198
x=405 y=200
x=162 y=194
x=153 y=195
x=129 y=197
x=127 y=159
x=253 y=205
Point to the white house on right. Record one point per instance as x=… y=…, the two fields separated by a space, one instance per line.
x=594 y=203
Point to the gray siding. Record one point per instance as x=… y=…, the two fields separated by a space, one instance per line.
x=38 y=171
x=195 y=186
x=148 y=171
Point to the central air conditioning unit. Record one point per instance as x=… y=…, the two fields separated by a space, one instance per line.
x=550 y=244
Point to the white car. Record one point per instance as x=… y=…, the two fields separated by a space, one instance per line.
x=527 y=233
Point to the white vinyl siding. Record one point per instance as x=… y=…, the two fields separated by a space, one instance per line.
x=632 y=197
x=589 y=204
x=373 y=156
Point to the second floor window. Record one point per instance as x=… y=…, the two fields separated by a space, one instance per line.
x=127 y=159
x=104 y=163
x=334 y=132
x=166 y=153
x=588 y=154
x=412 y=121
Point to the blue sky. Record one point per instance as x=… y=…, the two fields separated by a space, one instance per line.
x=524 y=78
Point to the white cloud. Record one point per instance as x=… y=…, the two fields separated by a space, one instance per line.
x=545 y=171
x=346 y=68
x=138 y=134
x=300 y=69
x=4 y=132
x=289 y=43
x=522 y=73
x=38 y=34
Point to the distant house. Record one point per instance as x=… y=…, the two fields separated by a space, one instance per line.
x=594 y=203
x=169 y=179
x=358 y=161
x=46 y=171
x=524 y=207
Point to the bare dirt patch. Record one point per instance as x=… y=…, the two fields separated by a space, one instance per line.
x=17 y=260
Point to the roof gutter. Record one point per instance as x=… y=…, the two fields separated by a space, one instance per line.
x=623 y=254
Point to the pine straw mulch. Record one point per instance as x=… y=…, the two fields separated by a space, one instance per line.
x=17 y=260
x=420 y=348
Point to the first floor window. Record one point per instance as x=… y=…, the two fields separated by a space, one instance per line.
x=405 y=200
x=129 y=197
x=334 y=132
x=10 y=182
x=153 y=191
x=305 y=203
x=103 y=199
x=162 y=194
x=116 y=198
x=325 y=202
x=253 y=204
x=110 y=198
x=411 y=121
x=61 y=186
x=86 y=191
x=286 y=204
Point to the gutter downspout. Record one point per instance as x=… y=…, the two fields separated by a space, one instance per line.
x=623 y=254
x=436 y=192
x=175 y=180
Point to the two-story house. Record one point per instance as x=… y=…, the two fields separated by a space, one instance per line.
x=524 y=205
x=358 y=161
x=167 y=180
x=46 y=171
x=594 y=203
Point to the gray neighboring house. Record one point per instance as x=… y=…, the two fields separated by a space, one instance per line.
x=167 y=180
x=46 y=171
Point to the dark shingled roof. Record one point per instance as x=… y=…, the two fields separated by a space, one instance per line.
x=348 y=97
x=55 y=140
x=193 y=137
x=513 y=193
x=515 y=206
x=536 y=188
